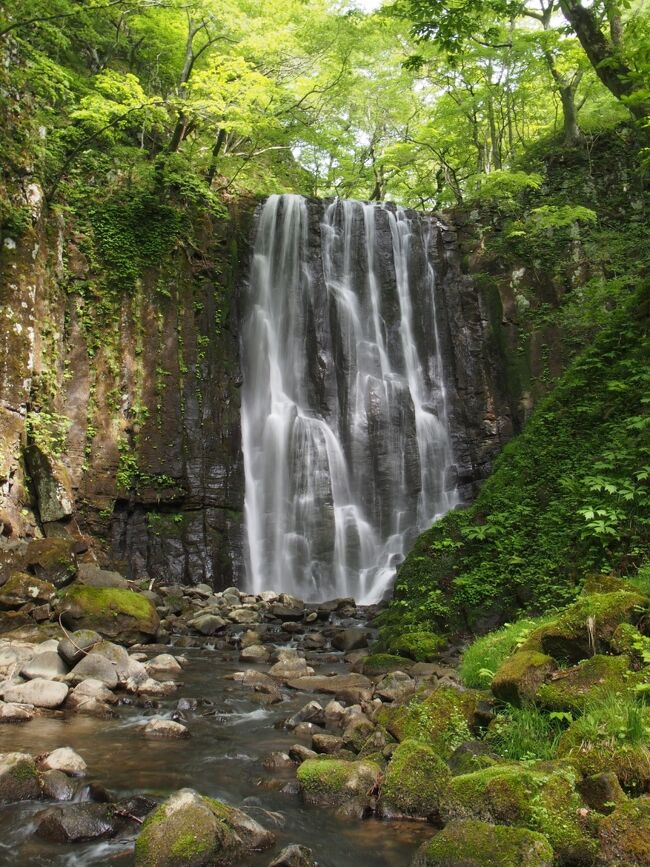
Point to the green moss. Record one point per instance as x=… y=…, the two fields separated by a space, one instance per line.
x=414 y=782
x=589 y=681
x=187 y=845
x=419 y=646
x=382 y=663
x=479 y=844
x=23 y=772
x=105 y=600
x=440 y=719
x=625 y=834
x=346 y=786
x=520 y=676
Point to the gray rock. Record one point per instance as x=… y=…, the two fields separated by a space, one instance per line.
x=311 y=712
x=48 y=665
x=14 y=713
x=93 y=576
x=76 y=823
x=18 y=778
x=395 y=686
x=165 y=728
x=66 y=760
x=162 y=664
x=72 y=649
x=294 y=856
x=207 y=624
x=254 y=653
x=352 y=638
x=334 y=684
x=97 y=667
x=300 y=753
x=327 y=744
x=58 y=786
x=38 y=692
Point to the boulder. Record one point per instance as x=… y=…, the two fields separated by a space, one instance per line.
x=96 y=667
x=625 y=835
x=18 y=778
x=66 y=760
x=53 y=559
x=90 y=688
x=165 y=728
x=254 y=653
x=37 y=692
x=93 y=576
x=602 y=792
x=418 y=646
x=207 y=624
x=58 y=786
x=48 y=665
x=74 y=823
x=294 y=856
x=518 y=678
x=164 y=663
x=22 y=588
x=75 y=646
x=352 y=638
x=14 y=713
x=290 y=666
x=571 y=689
x=311 y=712
x=347 y=787
x=128 y=617
x=382 y=663
x=415 y=783
x=471 y=843
x=357 y=730
x=332 y=684
x=189 y=829
x=395 y=686
x=326 y=744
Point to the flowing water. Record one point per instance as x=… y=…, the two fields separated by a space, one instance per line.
x=230 y=734
x=344 y=417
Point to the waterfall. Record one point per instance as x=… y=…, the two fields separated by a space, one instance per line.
x=346 y=445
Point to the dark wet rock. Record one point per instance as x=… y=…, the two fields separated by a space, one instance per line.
x=475 y=844
x=294 y=856
x=18 y=778
x=74 y=647
x=48 y=665
x=58 y=786
x=53 y=560
x=191 y=829
x=300 y=753
x=327 y=744
x=311 y=712
x=601 y=792
x=38 y=692
x=76 y=822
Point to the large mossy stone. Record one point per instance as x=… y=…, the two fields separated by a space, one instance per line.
x=591 y=680
x=542 y=800
x=347 y=787
x=588 y=625
x=625 y=835
x=22 y=588
x=414 y=782
x=471 y=843
x=18 y=778
x=52 y=559
x=418 y=646
x=442 y=718
x=383 y=663
x=190 y=830
x=520 y=675
x=122 y=615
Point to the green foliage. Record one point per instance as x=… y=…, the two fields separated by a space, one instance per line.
x=525 y=733
x=504 y=187
x=48 y=431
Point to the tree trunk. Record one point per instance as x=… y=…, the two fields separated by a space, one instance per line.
x=216 y=150
x=572 y=134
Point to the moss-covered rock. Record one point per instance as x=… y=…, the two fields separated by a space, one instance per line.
x=418 y=646
x=348 y=787
x=382 y=663
x=189 y=830
x=592 y=752
x=542 y=800
x=441 y=718
x=123 y=615
x=572 y=688
x=18 y=778
x=629 y=640
x=519 y=677
x=587 y=625
x=602 y=792
x=414 y=782
x=52 y=559
x=625 y=835
x=471 y=843
x=21 y=588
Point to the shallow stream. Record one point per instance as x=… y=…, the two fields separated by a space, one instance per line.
x=230 y=735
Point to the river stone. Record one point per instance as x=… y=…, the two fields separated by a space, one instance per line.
x=345 y=786
x=300 y=753
x=124 y=615
x=38 y=692
x=14 y=713
x=66 y=760
x=163 y=663
x=57 y=786
x=93 y=576
x=22 y=588
x=97 y=667
x=48 y=665
x=74 y=647
x=207 y=624
x=311 y=712
x=352 y=638
x=92 y=688
x=244 y=615
x=395 y=686
x=18 y=778
x=471 y=843
x=165 y=728
x=333 y=684
x=294 y=856
x=189 y=829
x=254 y=653
x=76 y=822
x=327 y=744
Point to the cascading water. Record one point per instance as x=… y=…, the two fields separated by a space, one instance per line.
x=344 y=420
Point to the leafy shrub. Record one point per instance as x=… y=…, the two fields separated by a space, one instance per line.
x=526 y=733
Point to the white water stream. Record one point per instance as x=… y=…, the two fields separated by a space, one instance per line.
x=344 y=415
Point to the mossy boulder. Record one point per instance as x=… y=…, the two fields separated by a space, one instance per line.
x=190 y=830
x=22 y=588
x=414 y=782
x=595 y=752
x=471 y=843
x=18 y=778
x=542 y=800
x=625 y=835
x=383 y=663
x=122 y=615
x=418 y=646
x=441 y=718
x=520 y=675
x=53 y=560
x=571 y=689
x=587 y=625
x=629 y=640
x=348 y=787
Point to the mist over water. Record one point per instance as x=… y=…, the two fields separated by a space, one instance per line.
x=344 y=416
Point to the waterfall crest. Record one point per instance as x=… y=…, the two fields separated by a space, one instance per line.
x=346 y=444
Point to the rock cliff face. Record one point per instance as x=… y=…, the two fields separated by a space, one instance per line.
x=120 y=410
